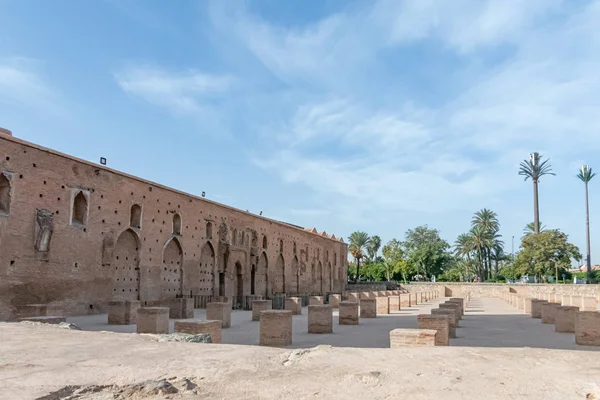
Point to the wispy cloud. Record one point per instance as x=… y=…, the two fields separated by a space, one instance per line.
x=181 y=92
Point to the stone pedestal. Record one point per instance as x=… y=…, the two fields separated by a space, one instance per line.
x=219 y=311
x=46 y=319
x=294 y=304
x=439 y=323
x=315 y=300
x=122 y=312
x=460 y=301
x=153 y=320
x=566 y=300
x=353 y=297
x=404 y=300
x=383 y=307
x=334 y=300
x=258 y=306
x=320 y=319
x=348 y=313
x=588 y=304
x=450 y=313
x=536 y=308
x=412 y=338
x=181 y=308
x=576 y=301
x=587 y=328
x=394 y=303
x=276 y=328
x=454 y=307
x=564 y=318
x=213 y=328
x=548 y=312
x=368 y=308
x=527 y=305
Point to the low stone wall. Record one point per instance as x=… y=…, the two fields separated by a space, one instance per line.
x=451 y=289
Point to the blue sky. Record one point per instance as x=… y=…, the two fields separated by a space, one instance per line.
x=365 y=115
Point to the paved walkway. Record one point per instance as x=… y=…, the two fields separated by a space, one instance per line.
x=490 y=322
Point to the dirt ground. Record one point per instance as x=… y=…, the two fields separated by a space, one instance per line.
x=51 y=363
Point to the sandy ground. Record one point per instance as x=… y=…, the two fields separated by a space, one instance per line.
x=37 y=360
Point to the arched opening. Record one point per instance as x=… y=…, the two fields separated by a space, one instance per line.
x=209 y=230
x=135 y=217
x=239 y=274
x=80 y=208
x=253 y=280
x=177 y=224
x=172 y=272
x=126 y=264
x=262 y=279
x=313 y=278
x=207 y=269
x=281 y=245
x=319 y=280
x=294 y=248
x=279 y=283
x=242 y=237
x=264 y=242
x=4 y=194
x=295 y=281
x=235 y=237
x=330 y=273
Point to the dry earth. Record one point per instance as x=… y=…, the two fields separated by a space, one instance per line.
x=51 y=363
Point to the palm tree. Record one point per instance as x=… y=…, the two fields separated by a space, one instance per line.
x=487 y=222
x=534 y=169
x=486 y=219
x=358 y=244
x=481 y=241
x=530 y=229
x=373 y=247
x=586 y=175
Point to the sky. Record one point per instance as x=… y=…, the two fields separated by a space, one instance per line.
x=377 y=116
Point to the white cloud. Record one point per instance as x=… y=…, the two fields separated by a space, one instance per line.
x=21 y=83
x=181 y=92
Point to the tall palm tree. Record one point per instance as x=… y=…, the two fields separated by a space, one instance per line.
x=530 y=229
x=373 y=247
x=481 y=241
x=358 y=244
x=586 y=175
x=487 y=221
x=463 y=246
x=534 y=169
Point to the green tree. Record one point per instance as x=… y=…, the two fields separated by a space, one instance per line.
x=546 y=253
x=534 y=169
x=358 y=242
x=486 y=225
x=426 y=253
x=530 y=229
x=373 y=247
x=395 y=262
x=586 y=175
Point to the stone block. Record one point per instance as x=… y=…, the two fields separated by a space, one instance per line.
x=576 y=301
x=122 y=312
x=276 y=328
x=367 y=295
x=46 y=319
x=452 y=315
x=439 y=323
x=566 y=300
x=32 y=310
x=412 y=338
x=536 y=308
x=152 y=320
x=315 y=300
x=460 y=301
x=353 y=297
x=294 y=304
x=182 y=308
x=588 y=304
x=320 y=318
x=258 y=306
x=219 y=311
x=404 y=300
x=452 y=306
x=334 y=300
x=527 y=305
x=213 y=328
x=368 y=308
x=413 y=299
x=548 y=312
x=348 y=314
x=587 y=328
x=382 y=305
x=564 y=319
x=394 y=303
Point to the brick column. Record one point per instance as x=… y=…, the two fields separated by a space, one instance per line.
x=368 y=308
x=564 y=319
x=153 y=320
x=258 y=306
x=122 y=312
x=294 y=304
x=394 y=303
x=320 y=319
x=315 y=300
x=548 y=312
x=412 y=338
x=348 y=313
x=334 y=300
x=219 y=311
x=440 y=323
x=382 y=305
x=587 y=328
x=276 y=328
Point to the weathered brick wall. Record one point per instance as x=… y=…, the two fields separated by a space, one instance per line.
x=498 y=289
x=140 y=240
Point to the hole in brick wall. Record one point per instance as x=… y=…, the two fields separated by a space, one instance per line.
x=150 y=189
x=34 y=165
x=119 y=201
x=41 y=195
x=44 y=182
x=58 y=199
x=85 y=229
x=57 y=212
x=79 y=208
x=7 y=158
x=62 y=187
x=12 y=262
x=21 y=176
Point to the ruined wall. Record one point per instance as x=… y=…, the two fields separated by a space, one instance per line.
x=499 y=289
x=77 y=234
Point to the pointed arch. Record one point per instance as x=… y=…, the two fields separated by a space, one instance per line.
x=330 y=277
x=80 y=209
x=135 y=216
x=209 y=230
x=281 y=245
x=295 y=278
x=126 y=264
x=5 y=194
x=262 y=277
x=207 y=269
x=265 y=242
x=172 y=272
x=279 y=281
x=319 y=279
x=177 y=224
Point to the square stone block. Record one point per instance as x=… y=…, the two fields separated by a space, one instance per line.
x=315 y=300
x=447 y=311
x=566 y=300
x=404 y=300
x=348 y=314
x=353 y=297
x=382 y=305
x=320 y=318
x=213 y=328
x=122 y=312
x=452 y=306
x=587 y=328
x=334 y=300
x=368 y=308
x=219 y=311
x=527 y=305
x=294 y=304
x=576 y=301
x=153 y=320
x=564 y=319
x=460 y=301
x=412 y=338
x=439 y=323
x=588 y=304
x=394 y=303
x=548 y=312
x=276 y=328
x=536 y=308
x=258 y=306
